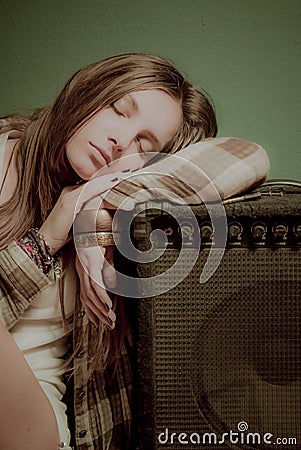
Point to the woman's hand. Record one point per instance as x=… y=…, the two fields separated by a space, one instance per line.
x=57 y=226
x=94 y=265
x=95 y=269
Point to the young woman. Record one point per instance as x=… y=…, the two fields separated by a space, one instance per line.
x=129 y=104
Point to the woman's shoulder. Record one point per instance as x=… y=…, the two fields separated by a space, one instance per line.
x=8 y=142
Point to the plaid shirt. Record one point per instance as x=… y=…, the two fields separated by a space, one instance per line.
x=102 y=406
x=208 y=170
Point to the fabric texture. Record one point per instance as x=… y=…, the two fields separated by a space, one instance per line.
x=103 y=404
x=209 y=170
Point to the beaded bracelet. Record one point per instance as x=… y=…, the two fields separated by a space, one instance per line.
x=35 y=246
x=31 y=251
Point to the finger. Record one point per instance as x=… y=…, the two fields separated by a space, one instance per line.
x=94 y=284
x=109 y=319
x=94 y=310
x=84 y=297
x=91 y=316
x=94 y=296
x=103 y=299
x=84 y=300
x=109 y=276
x=97 y=186
x=108 y=271
x=95 y=315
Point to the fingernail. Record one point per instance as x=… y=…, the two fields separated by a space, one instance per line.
x=107 y=307
x=126 y=170
x=110 y=321
x=108 y=327
x=114 y=179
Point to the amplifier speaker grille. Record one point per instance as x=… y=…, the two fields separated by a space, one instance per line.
x=223 y=355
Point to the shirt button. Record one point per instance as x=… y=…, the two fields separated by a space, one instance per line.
x=81 y=313
x=82 y=433
x=82 y=395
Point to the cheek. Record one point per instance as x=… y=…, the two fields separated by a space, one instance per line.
x=79 y=162
x=68 y=153
x=175 y=124
x=72 y=155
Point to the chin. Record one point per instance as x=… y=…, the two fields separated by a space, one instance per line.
x=85 y=174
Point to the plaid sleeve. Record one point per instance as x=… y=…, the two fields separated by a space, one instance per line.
x=103 y=404
x=205 y=171
x=20 y=281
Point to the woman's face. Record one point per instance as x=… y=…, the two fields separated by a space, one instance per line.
x=137 y=124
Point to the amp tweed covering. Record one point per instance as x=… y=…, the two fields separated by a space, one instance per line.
x=219 y=362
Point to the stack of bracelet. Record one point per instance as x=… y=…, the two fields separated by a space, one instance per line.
x=35 y=246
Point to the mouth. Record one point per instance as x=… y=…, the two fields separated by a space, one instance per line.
x=101 y=152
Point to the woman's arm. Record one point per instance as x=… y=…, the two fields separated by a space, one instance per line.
x=21 y=279
x=94 y=266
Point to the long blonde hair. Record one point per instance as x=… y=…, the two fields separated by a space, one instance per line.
x=40 y=159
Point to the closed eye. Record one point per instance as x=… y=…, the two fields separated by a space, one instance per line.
x=144 y=145
x=139 y=145
x=116 y=110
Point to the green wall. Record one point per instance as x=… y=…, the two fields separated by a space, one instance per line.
x=245 y=53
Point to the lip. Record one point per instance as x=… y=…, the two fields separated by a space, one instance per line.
x=102 y=152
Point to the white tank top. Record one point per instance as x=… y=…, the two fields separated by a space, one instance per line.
x=41 y=336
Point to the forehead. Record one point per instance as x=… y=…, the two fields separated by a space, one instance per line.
x=153 y=98
x=159 y=109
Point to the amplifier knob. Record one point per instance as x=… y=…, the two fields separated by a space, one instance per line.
x=297 y=232
x=187 y=231
x=259 y=232
x=206 y=231
x=280 y=231
x=235 y=230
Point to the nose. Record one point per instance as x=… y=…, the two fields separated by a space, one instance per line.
x=120 y=143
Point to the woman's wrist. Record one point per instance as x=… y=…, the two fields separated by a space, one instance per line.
x=35 y=246
x=93 y=220
x=94 y=228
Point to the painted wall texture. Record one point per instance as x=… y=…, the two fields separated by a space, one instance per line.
x=245 y=53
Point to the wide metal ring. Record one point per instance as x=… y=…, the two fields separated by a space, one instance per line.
x=98 y=238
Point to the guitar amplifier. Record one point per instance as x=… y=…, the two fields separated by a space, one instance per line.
x=219 y=362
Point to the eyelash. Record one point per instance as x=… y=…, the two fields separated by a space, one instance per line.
x=140 y=147
x=116 y=110
x=119 y=113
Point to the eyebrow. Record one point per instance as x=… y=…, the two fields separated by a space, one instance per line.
x=135 y=107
